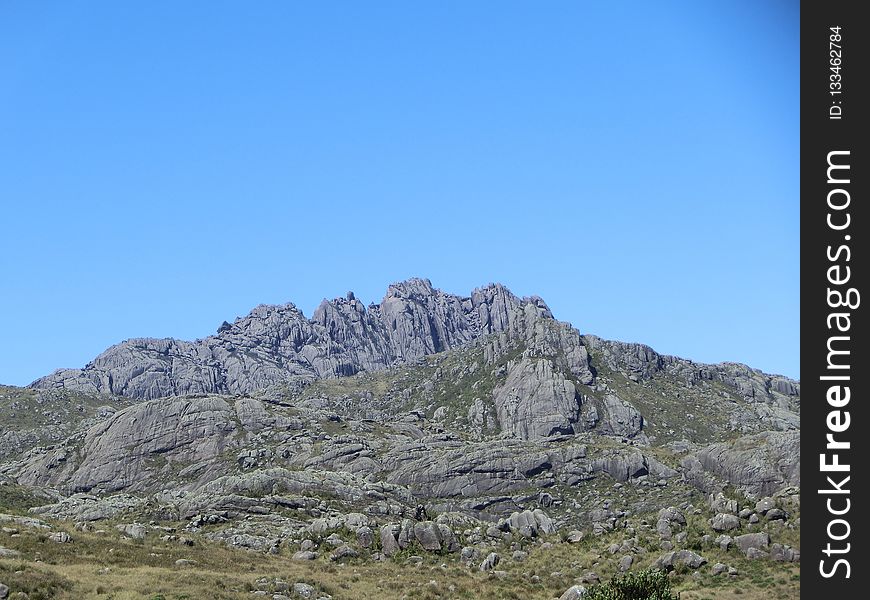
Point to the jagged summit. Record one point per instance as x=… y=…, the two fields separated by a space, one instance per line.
x=278 y=344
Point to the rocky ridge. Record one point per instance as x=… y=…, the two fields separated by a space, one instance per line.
x=428 y=422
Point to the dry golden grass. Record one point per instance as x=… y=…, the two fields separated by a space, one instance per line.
x=104 y=566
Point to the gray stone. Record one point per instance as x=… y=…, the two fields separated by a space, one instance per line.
x=724 y=522
x=304 y=590
x=776 y=514
x=719 y=503
x=489 y=563
x=663 y=528
x=428 y=535
x=760 y=463
x=575 y=592
x=184 y=562
x=672 y=514
x=342 y=337
x=237 y=437
x=674 y=559
x=529 y=523
x=724 y=542
x=764 y=505
x=575 y=537
x=755 y=553
x=365 y=537
x=749 y=541
x=389 y=542
x=343 y=552
x=135 y=531
x=784 y=553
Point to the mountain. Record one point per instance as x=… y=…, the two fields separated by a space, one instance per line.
x=483 y=409
x=279 y=345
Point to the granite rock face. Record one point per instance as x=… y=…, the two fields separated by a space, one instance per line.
x=540 y=392
x=772 y=399
x=759 y=464
x=536 y=401
x=120 y=453
x=279 y=345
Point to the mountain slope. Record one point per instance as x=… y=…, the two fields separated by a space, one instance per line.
x=351 y=429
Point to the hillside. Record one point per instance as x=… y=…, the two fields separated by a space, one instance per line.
x=427 y=429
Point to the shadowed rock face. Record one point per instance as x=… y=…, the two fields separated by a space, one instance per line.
x=279 y=345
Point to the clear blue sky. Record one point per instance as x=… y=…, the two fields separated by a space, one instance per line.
x=168 y=165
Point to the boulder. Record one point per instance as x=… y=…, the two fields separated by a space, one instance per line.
x=679 y=558
x=135 y=531
x=365 y=537
x=755 y=553
x=490 y=562
x=784 y=553
x=304 y=590
x=343 y=552
x=389 y=539
x=724 y=522
x=776 y=514
x=754 y=541
x=764 y=505
x=575 y=592
x=724 y=542
x=671 y=514
x=428 y=536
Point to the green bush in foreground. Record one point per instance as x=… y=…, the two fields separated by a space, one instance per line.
x=642 y=585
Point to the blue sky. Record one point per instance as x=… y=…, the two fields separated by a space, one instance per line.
x=165 y=166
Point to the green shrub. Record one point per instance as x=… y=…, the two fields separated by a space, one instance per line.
x=640 y=585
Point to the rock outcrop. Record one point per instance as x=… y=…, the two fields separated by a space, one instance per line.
x=279 y=345
x=759 y=464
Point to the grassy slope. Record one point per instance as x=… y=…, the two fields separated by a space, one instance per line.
x=106 y=566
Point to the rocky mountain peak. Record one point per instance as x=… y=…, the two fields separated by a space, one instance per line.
x=541 y=379
x=415 y=287
x=277 y=344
